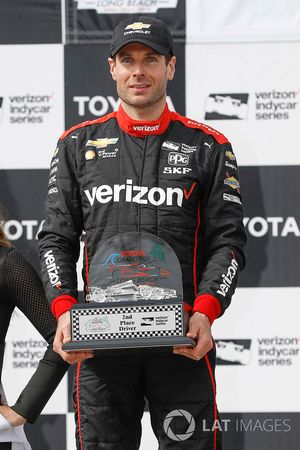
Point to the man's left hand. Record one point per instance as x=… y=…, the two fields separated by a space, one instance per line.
x=200 y=331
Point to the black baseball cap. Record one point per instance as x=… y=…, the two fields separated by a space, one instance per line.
x=149 y=31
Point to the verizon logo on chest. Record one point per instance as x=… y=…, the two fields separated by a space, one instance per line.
x=134 y=194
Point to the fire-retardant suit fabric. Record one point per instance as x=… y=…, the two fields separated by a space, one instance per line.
x=175 y=178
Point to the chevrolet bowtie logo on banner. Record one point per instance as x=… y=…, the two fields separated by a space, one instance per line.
x=101 y=143
x=138 y=26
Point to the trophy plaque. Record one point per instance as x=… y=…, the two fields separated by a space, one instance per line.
x=134 y=297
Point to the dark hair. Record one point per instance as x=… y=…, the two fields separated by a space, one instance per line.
x=3 y=239
x=168 y=59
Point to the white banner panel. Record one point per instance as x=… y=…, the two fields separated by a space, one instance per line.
x=242 y=21
x=258 y=348
x=249 y=92
x=24 y=347
x=71 y=443
x=31 y=104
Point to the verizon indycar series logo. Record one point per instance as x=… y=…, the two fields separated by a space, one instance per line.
x=27 y=108
x=126 y=6
x=266 y=105
x=233 y=351
x=226 y=106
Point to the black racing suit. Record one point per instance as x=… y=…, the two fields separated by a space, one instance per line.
x=175 y=178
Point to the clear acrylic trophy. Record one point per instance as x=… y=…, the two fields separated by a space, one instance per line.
x=134 y=297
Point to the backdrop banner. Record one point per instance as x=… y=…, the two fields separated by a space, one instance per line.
x=238 y=70
x=94 y=20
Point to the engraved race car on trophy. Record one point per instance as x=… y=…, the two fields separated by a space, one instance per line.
x=134 y=297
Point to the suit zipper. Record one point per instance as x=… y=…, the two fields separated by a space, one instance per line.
x=140 y=182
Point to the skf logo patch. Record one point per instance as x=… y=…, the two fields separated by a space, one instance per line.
x=230 y=155
x=137 y=26
x=102 y=142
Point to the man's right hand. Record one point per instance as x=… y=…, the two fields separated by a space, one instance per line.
x=62 y=336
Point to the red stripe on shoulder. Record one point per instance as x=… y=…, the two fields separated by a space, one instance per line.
x=219 y=137
x=88 y=122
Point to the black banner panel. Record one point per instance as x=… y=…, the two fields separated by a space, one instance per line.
x=48 y=432
x=94 y=20
x=272 y=221
x=30 y=22
x=23 y=194
x=90 y=91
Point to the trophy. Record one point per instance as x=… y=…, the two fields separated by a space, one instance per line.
x=134 y=297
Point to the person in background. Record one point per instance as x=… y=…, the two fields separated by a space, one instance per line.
x=145 y=168
x=21 y=287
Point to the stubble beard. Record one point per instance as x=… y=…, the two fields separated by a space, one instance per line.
x=140 y=103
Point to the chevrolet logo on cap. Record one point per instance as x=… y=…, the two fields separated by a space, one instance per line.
x=101 y=143
x=138 y=26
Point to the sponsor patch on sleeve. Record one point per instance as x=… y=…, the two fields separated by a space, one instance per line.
x=232 y=198
x=232 y=182
x=230 y=155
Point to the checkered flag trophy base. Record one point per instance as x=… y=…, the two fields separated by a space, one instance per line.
x=134 y=297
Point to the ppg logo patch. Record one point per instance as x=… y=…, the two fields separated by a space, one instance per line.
x=181 y=413
x=177 y=159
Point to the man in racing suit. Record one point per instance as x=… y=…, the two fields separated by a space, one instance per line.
x=144 y=168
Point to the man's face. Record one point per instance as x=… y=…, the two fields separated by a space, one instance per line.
x=141 y=75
